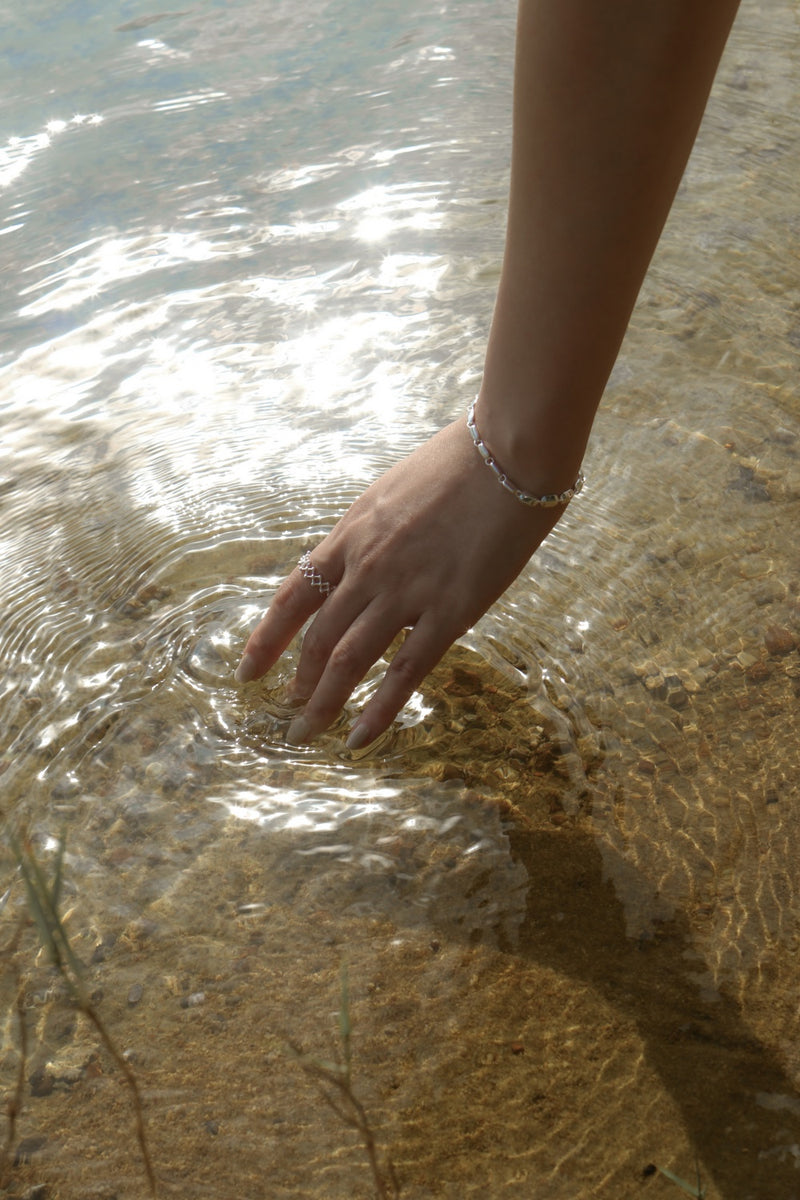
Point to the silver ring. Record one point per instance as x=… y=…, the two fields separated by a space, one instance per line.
x=310 y=572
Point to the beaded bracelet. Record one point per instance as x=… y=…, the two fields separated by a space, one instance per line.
x=549 y=501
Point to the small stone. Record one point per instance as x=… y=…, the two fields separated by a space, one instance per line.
x=193 y=1001
x=676 y=694
x=746 y=659
x=769 y=591
x=42 y=1082
x=643 y=670
x=100 y=952
x=779 y=640
x=27 y=1148
x=65 y=789
x=135 y=994
x=656 y=685
x=690 y=681
x=155 y=773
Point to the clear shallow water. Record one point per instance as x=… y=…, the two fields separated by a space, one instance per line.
x=249 y=260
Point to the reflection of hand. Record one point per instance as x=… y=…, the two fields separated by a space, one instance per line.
x=430 y=545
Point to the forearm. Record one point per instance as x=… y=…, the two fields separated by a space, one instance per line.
x=608 y=97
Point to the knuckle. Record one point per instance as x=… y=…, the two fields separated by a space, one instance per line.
x=405 y=671
x=315 y=650
x=286 y=601
x=345 y=660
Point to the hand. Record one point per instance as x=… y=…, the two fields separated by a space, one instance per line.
x=430 y=545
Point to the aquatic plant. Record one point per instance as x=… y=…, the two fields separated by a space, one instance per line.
x=14 y=1103
x=43 y=898
x=335 y=1084
x=697 y=1192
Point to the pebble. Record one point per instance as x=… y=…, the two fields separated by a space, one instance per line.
x=27 y=1148
x=156 y=773
x=42 y=1082
x=759 y=672
x=746 y=659
x=135 y=995
x=642 y=670
x=100 y=952
x=657 y=685
x=770 y=591
x=779 y=640
x=676 y=693
x=690 y=681
x=194 y=1000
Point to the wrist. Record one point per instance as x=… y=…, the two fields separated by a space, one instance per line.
x=538 y=447
x=553 y=499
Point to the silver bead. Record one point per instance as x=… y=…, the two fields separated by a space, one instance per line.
x=551 y=500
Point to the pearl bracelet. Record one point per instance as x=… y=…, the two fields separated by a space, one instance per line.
x=550 y=501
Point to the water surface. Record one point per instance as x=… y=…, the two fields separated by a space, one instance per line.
x=249 y=260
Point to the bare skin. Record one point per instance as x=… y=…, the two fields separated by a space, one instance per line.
x=607 y=102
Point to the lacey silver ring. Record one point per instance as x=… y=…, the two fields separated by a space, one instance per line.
x=310 y=572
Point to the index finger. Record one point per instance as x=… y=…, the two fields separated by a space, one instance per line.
x=291 y=606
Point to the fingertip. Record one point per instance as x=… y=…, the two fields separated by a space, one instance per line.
x=299 y=732
x=247 y=669
x=360 y=736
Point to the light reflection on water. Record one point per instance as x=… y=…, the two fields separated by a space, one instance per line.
x=247 y=265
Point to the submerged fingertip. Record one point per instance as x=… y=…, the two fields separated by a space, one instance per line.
x=299 y=732
x=246 y=670
x=359 y=736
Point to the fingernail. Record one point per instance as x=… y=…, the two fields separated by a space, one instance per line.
x=246 y=669
x=299 y=731
x=359 y=736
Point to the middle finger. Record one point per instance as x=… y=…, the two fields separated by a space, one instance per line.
x=340 y=663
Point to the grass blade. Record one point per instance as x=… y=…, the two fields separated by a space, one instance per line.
x=697 y=1192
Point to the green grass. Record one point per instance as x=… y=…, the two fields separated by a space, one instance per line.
x=335 y=1084
x=43 y=898
x=698 y=1192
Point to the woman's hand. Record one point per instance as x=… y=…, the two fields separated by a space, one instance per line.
x=430 y=546
x=607 y=101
